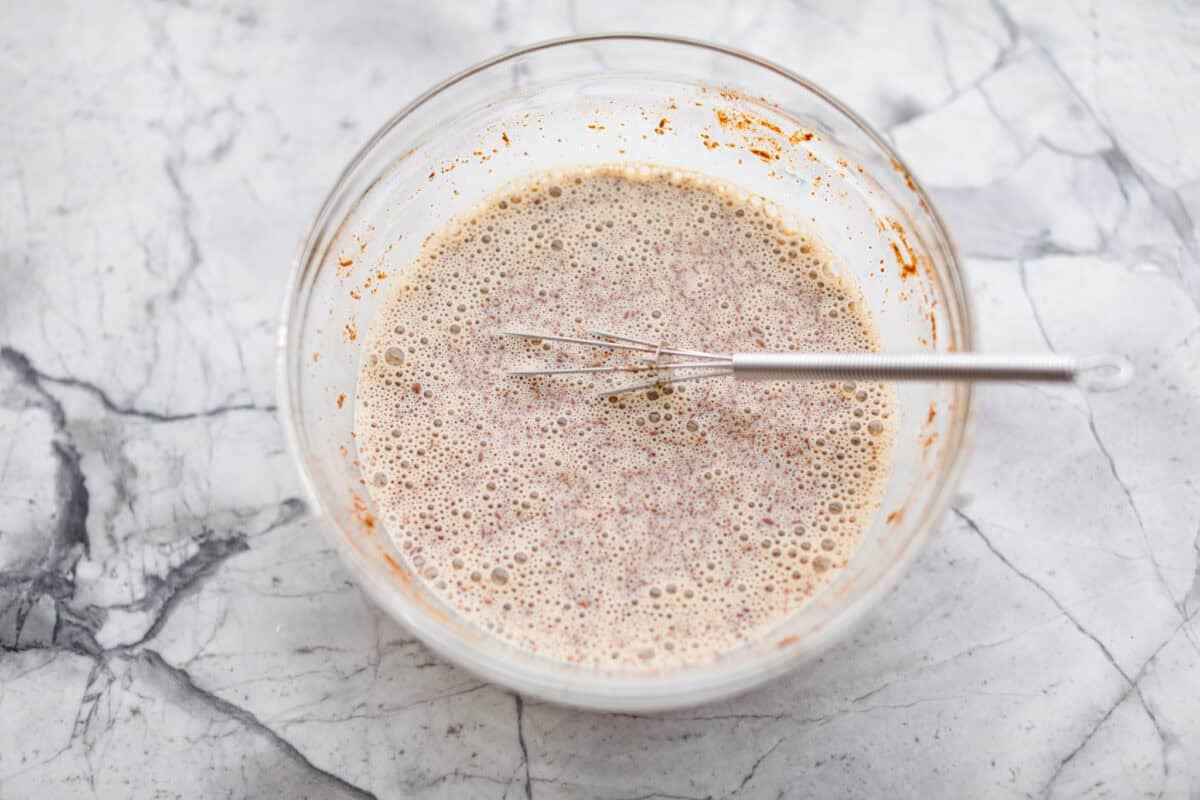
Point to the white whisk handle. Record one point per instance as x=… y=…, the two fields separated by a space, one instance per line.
x=1102 y=373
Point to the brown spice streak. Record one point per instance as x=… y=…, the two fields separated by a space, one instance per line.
x=358 y=508
x=738 y=119
x=908 y=266
x=896 y=165
x=404 y=574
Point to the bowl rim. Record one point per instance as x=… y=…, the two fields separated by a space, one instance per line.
x=636 y=692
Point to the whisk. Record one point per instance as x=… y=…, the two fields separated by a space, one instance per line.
x=671 y=365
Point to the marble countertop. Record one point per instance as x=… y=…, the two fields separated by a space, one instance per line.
x=173 y=625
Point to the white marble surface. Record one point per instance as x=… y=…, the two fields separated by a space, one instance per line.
x=171 y=625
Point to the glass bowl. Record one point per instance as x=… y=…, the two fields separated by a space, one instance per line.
x=610 y=99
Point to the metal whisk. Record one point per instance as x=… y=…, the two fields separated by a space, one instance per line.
x=672 y=365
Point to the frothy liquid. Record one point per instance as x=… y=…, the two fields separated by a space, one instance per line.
x=644 y=530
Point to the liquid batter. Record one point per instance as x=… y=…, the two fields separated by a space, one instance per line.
x=641 y=531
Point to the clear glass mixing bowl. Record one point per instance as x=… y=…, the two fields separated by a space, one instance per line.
x=606 y=99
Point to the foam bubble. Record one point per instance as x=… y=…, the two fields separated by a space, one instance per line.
x=645 y=530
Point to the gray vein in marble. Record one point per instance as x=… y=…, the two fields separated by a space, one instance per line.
x=184 y=682
x=52 y=578
x=970 y=523
x=165 y=594
x=1108 y=458
x=1193 y=596
x=1132 y=688
x=1033 y=306
x=749 y=776
x=1166 y=200
x=1112 y=468
x=1131 y=683
x=130 y=411
x=662 y=796
x=195 y=258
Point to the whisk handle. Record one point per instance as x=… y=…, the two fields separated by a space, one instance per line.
x=1100 y=373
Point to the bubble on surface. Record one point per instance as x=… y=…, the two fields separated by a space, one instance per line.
x=394 y=356
x=648 y=530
